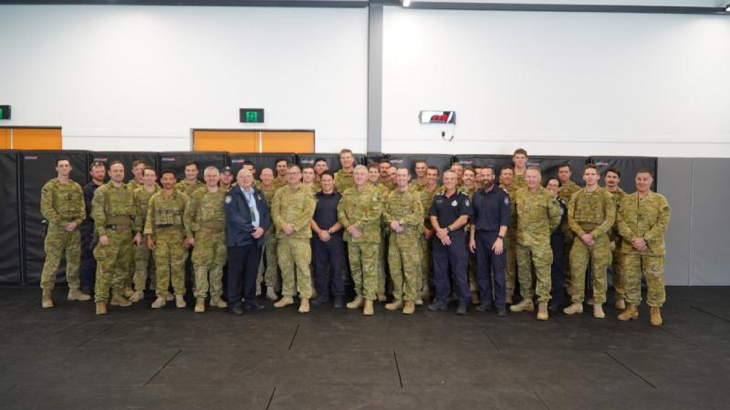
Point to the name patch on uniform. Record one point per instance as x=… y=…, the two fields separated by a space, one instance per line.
x=506 y=200
x=466 y=202
x=228 y=199
x=454 y=203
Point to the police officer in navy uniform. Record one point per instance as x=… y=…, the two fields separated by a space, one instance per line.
x=247 y=219
x=328 y=243
x=491 y=218
x=557 y=241
x=449 y=212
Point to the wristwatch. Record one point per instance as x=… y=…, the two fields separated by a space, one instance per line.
x=500 y=237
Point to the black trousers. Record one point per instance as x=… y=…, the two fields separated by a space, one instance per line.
x=557 y=272
x=328 y=266
x=453 y=256
x=490 y=266
x=87 y=271
x=243 y=267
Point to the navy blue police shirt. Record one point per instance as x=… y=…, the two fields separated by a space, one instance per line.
x=325 y=213
x=449 y=209
x=492 y=209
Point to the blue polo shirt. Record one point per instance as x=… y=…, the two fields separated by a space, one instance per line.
x=491 y=209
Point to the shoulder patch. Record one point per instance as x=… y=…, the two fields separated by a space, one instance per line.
x=228 y=199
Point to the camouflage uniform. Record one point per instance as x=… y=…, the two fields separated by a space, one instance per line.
x=141 y=252
x=165 y=222
x=205 y=220
x=648 y=219
x=362 y=208
x=619 y=282
x=295 y=207
x=62 y=204
x=114 y=213
x=510 y=246
x=269 y=271
x=566 y=193
x=383 y=192
x=593 y=213
x=188 y=189
x=343 y=180
x=519 y=181
x=278 y=183
x=134 y=184
x=426 y=262
x=404 y=254
x=538 y=214
x=416 y=186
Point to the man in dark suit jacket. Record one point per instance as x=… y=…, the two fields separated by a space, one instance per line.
x=247 y=219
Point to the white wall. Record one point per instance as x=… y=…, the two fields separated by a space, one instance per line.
x=139 y=78
x=558 y=83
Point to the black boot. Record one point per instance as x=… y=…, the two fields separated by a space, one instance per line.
x=437 y=305
x=461 y=310
x=339 y=302
x=484 y=307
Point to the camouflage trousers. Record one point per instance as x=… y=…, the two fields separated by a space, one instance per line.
x=541 y=257
x=382 y=257
x=294 y=256
x=599 y=256
x=57 y=241
x=404 y=260
x=653 y=268
x=510 y=271
x=269 y=265
x=364 y=268
x=568 y=239
x=142 y=258
x=209 y=255
x=112 y=263
x=170 y=256
x=426 y=262
x=617 y=270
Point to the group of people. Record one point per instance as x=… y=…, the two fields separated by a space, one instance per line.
x=307 y=232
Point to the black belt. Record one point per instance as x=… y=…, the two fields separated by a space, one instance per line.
x=114 y=227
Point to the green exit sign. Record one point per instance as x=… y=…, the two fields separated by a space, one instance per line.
x=252 y=115
x=4 y=112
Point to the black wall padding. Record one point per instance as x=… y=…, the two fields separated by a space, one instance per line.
x=10 y=251
x=261 y=161
x=627 y=166
x=38 y=167
x=177 y=160
x=549 y=166
x=440 y=161
x=127 y=158
x=333 y=160
x=495 y=161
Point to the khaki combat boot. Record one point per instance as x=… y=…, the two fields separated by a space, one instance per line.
x=573 y=309
x=271 y=293
x=598 y=311
x=508 y=299
x=216 y=301
x=475 y=299
x=169 y=297
x=75 y=294
x=199 y=305
x=425 y=293
x=128 y=291
x=304 y=305
x=368 y=309
x=620 y=304
x=395 y=305
x=119 y=300
x=358 y=302
x=180 y=302
x=631 y=313
x=382 y=297
x=542 y=311
x=101 y=308
x=409 y=308
x=137 y=296
x=419 y=301
x=656 y=316
x=590 y=301
x=47 y=301
x=284 y=301
x=159 y=302
x=526 y=305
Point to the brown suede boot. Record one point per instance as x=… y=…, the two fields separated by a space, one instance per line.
x=409 y=308
x=631 y=313
x=656 y=316
x=119 y=300
x=47 y=300
x=303 y=305
x=75 y=294
x=199 y=305
x=542 y=311
x=368 y=310
x=356 y=303
x=395 y=305
x=101 y=308
x=526 y=305
x=284 y=301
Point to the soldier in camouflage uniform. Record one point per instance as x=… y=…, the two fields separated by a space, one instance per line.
x=538 y=214
x=383 y=191
x=429 y=191
x=643 y=218
x=343 y=177
x=292 y=212
x=591 y=215
x=62 y=205
x=191 y=183
x=142 y=254
x=519 y=160
x=165 y=234
x=138 y=168
x=117 y=227
x=403 y=214
x=419 y=182
x=613 y=177
x=227 y=179
x=309 y=180
x=359 y=212
x=506 y=179
x=282 y=167
x=567 y=189
x=205 y=230
x=269 y=266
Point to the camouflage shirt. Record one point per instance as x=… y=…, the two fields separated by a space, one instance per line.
x=62 y=204
x=344 y=180
x=647 y=218
x=142 y=200
x=591 y=212
x=617 y=196
x=538 y=215
x=165 y=211
x=362 y=208
x=114 y=205
x=295 y=207
x=566 y=191
x=512 y=228
x=426 y=201
x=204 y=209
x=134 y=184
x=188 y=189
x=407 y=209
